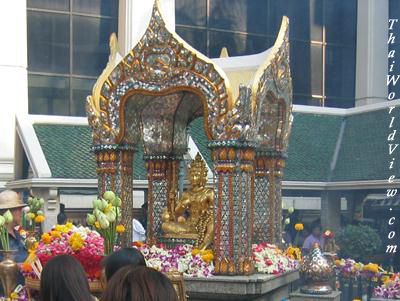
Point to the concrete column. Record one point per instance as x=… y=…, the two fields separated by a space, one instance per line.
x=51 y=206
x=134 y=17
x=13 y=80
x=330 y=210
x=372 y=51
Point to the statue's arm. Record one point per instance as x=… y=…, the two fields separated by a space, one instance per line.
x=182 y=204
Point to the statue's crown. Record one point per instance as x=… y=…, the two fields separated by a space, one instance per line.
x=198 y=165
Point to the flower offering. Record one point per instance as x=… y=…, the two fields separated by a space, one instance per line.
x=270 y=259
x=84 y=244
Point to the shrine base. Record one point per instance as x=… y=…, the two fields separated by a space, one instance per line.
x=257 y=287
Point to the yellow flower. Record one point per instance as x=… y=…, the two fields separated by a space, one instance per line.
x=97 y=224
x=46 y=238
x=299 y=227
x=120 y=229
x=69 y=225
x=207 y=257
x=372 y=267
x=76 y=242
x=195 y=252
x=55 y=233
x=39 y=219
x=108 y=208
x=14 y=296
x=30 y=216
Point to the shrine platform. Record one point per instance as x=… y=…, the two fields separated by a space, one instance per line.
x=260 y=287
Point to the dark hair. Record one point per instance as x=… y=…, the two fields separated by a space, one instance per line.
x=122 y=258
x=139 y=284
x=63 y=279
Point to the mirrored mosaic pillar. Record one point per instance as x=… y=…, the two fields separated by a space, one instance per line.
x=275 y=167
x=234 y=192
x=261 y=206
x=115 y=172
x=162 y=175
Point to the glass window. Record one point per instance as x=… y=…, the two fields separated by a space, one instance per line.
x=81 y=88
x=90 y=44
x=339 y=102
x=48 y=40
x=340 y=79
x=236 y=43
x=305 y=17
x=300 y=65
x=95 y=7
x=339 y=22
x=239 y=15
x=67 y=50
x=197 y=38
x=48 y=95
x=191 y=12
x=61 y=5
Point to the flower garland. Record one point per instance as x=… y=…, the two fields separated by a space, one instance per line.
x=390 y=289
x=85 y=245
x=191 y=262
x=270 y=259
x=349 y=268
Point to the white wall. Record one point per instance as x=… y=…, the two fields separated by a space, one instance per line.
x=13 y=79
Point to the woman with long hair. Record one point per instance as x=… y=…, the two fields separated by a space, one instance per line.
x=139 y=284
x=63 y=279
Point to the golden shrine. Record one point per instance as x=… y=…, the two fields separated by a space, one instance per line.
x=151 y=95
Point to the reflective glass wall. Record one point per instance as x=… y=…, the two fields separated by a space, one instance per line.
x=67 y=50
x=322 y=35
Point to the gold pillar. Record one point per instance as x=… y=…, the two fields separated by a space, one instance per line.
x=234 y=169
x=115 y=172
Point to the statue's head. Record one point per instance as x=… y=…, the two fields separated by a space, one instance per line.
x=198 y=172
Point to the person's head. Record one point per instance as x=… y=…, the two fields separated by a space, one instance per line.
x=316 y=230
x=139 y=284
x=10 y=200
x=122 y=258
x=63 y=279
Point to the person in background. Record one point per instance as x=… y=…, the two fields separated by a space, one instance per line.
x=121 y=258
x=63 y=279
x=313 y=238
x=143 y=220
x=62 y=217
x=139 y=284
x=138 y=231
x=10 y=200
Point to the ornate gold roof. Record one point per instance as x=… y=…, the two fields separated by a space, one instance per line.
x=163 y=78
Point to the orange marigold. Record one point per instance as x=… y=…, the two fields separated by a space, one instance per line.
x=39 y=219
x=120 y=229
x=46 y=238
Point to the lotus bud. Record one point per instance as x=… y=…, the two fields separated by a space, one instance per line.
x=29 y=216
x=116 y=202
x=104 y=223
x=109 y=195
x=111 y=216
x=103 y=204
x=2 y=221
x=41 y=202
x=26 y=209
x=96 y=203
x=8 y=217
x=90 y=219
x=40 y=212
x=30 y=200
x=287 y=221
x=96 y=213
x=290 y=210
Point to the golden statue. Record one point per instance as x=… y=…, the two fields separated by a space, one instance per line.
x=193 y=215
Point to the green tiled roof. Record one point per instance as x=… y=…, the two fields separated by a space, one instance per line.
x=311 y=147
x=67 y=151
x=364 y=153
